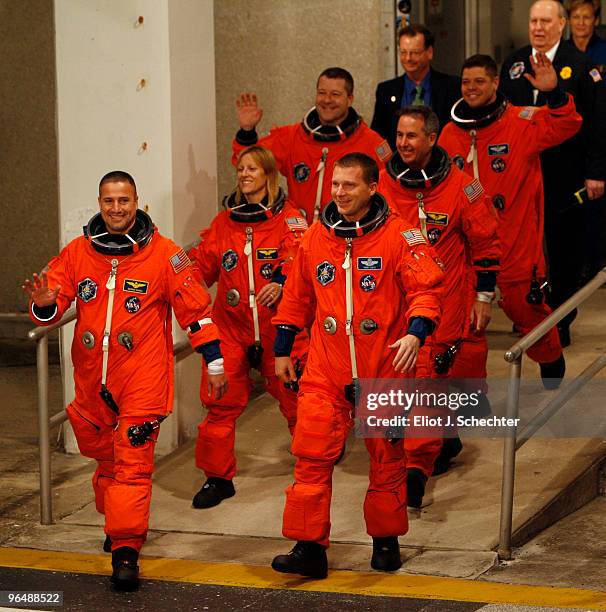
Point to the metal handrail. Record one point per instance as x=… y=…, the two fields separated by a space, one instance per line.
x=181 y=350
x=44 y=330
x=512 y=443
x=14 y=316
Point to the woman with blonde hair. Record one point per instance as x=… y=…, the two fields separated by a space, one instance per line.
x=247 y=251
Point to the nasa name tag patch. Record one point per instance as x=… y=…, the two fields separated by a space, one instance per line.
x=498 y=149
x=132 y=304
x=436 y=218
x=267 y=271
x=267 y=253
x=135 y=286
x=87 y=290
x=498 y=164
x=369 y=263
x=433 y=235
x=368 y=283
x=325 y=273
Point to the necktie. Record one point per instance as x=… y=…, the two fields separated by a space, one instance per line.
x=418 y=99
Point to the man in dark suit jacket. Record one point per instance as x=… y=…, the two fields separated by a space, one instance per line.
x=420 y=84
x=577 y=164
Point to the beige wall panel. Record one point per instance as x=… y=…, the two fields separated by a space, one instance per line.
x=29 y=232
x=192 y=89
x=277 y=48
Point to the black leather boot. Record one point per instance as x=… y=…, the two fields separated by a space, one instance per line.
x=107 y=545
x=386 y=554
x=213 y=492
x=415 y=487
x=125 y=576
x=553 y=372
x=306 y=559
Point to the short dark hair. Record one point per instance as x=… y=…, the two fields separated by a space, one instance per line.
x=370 y=169
x=416 y=28
x=481 y=61
x=339 y=73
x=571 y=5
x=430 y=119
x=118 y=176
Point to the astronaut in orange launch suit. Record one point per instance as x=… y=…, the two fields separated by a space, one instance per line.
x=501 y=144
x=126 y=279
x=452 y=210
x=306 y=151
x=371 y=287
x=247 y=251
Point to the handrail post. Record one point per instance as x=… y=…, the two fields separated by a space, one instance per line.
x=509 y=460
x=46 y=509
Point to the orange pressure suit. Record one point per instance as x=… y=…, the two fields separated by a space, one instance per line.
x=156 y=275
x=273 y=236
x=303 y=151
x=501 y=146
x=392 y=283
x=453 y=212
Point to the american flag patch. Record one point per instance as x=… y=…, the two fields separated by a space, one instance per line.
x=179 y=261
x=296 y=223
x=413 y=237
x=383 y=151
x=474 y=190
x=595 y=75
x=527 y=112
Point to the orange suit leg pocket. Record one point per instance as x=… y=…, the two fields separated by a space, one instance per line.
x=95 y=440
x=307 y=513
x=321 y=428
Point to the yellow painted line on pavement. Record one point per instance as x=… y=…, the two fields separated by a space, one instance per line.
x=338 y=581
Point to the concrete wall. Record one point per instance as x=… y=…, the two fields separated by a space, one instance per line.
x=277 y=48
x=29 y=232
